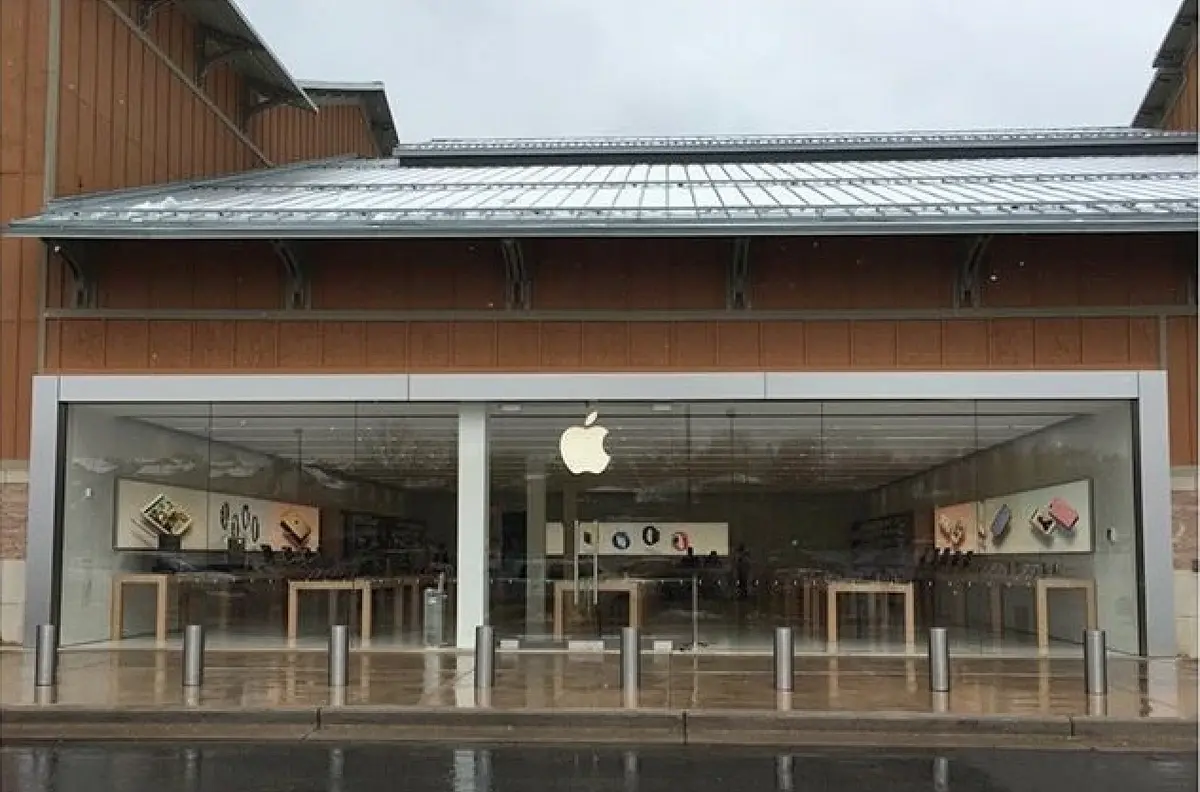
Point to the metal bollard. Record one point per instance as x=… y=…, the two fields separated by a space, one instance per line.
x=939 y=660
x=1095 y=662
x=485 y=657
x=631 y=659
x=785 y=657
x=193 y=655
x=45 y=668
x=339 y=656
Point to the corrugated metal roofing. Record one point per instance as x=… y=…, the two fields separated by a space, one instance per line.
x=790 y=195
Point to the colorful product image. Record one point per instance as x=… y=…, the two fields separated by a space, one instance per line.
x=1042 y=523
x=1063 y=514
x=1001 y=523
x=295 y=529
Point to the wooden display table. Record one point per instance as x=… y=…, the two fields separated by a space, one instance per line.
x=630 y=586
x=802 y=600
x=117 y=604
x=363 y=587
x=871 y=588
x=1042 y=590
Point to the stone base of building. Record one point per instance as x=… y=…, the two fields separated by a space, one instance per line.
x=1184 y=533
x=14 y=500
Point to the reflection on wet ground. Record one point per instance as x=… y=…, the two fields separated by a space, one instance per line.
x=418 y=768
x=1014 y=686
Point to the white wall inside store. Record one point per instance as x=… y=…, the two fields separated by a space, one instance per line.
x=97 y=440
x=1096 y=447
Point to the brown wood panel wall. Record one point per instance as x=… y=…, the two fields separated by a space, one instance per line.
x=1051 y=271
x=24 y=36
x=125 y=119
x=289 y=134
x=1183 y=395
x=649 y=274
x=1182 y=114
x=78 y=345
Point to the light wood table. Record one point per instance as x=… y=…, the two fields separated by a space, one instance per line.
x=363 y=587
x=162 y=602
x=870 y=588
x=804 y=595
x=630 y=586
x=1042 y=588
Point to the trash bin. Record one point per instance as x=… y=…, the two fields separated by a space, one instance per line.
x=434 y=629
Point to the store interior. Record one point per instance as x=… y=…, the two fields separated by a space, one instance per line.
x=859 y=524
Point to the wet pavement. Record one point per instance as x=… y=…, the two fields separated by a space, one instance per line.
x=981 y=686
x=421 y=768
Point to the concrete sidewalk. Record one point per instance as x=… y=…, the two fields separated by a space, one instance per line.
x=684 y=698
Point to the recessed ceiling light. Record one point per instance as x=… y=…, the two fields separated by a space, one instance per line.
x=661 y=407
x=510 y=408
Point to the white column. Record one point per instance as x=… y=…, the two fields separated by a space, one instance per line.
x=472 y=566
x=535 y=548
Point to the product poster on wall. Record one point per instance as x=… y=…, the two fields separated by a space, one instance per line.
x=1055 y=519
x=160 y=517
x=643 y=538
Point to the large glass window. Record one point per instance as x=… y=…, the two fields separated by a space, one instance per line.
x=860 y=524
x=265 y=522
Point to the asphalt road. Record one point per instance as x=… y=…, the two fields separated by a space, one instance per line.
x=131 y=767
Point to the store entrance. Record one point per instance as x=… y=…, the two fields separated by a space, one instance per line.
x=859 y=525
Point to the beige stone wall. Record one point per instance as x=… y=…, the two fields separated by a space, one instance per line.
x=14 y=498
x=1184 y=538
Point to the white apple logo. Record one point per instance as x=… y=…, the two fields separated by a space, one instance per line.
x=582 y=447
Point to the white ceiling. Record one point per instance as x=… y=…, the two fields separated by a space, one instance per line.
x=804 y=446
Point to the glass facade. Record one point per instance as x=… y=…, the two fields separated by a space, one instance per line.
x=706 y=524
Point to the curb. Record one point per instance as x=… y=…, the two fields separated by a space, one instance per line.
x=381 y=723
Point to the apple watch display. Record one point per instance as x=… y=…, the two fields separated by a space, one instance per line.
x=650 y=535
x=620 y=540
x=1042 y=523
x=680 y=542
x=1063 y=514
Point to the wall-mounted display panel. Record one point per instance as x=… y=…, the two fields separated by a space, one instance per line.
x=159 y=517
x=643 y=538
x=1056 y=519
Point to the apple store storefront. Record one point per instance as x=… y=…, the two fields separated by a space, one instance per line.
x=1016 y=509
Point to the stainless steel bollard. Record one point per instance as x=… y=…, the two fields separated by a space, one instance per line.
x=485 y=657
x=631 y=659
x=45 y=668
x=785 y=657
x=339 y=656
x=939 y=660
x=193 y=655
x=1095 y=662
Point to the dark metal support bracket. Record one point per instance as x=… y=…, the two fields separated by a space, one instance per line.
x=259 y=99
x=214 y=46
x=968 y=283
x=518 y=286
x=737 y=285
x=297 y=293
x=147 y=9
x=84 y=293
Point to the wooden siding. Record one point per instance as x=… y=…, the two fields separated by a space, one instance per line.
x=1182 y=114
x=90 y=345
x=125 y=118
x=288 y=134
x=24 y=37
x=833 y=274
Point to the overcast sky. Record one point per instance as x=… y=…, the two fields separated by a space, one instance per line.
x=525 y=68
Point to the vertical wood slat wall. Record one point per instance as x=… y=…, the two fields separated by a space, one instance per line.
x=124 y=120
x=1183 y=113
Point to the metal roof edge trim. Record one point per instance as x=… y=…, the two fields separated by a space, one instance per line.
x=1168 y=77
x=373 y=99
x=270 y=53
x=1133 y=223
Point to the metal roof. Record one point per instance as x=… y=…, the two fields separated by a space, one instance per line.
x=352 y=198
x=230 y=37
x=1169 y=65
x=371 y=96
x=831 y=146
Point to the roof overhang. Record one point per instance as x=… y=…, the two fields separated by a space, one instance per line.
x=1170 y=64
x=226 y=35
x=370 y=96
